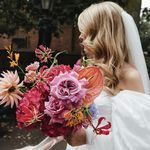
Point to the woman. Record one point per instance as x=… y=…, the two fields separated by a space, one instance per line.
x=111 y=41
x=110 y=38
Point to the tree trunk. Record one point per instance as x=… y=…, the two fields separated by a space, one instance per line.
x=45 y=32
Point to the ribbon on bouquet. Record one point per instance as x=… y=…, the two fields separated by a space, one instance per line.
x=105 y=129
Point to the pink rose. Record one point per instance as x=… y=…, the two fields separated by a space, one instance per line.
x=33 y=67
x=55 y=108
x=66 y=86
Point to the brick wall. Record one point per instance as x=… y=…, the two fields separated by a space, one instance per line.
x=68 y=40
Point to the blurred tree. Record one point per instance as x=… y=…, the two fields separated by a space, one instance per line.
x=131 y=6
x=28 y=13
x=134 y=8
x=144 y=28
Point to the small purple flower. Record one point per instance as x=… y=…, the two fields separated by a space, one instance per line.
x=66 y=86
x=93 y=111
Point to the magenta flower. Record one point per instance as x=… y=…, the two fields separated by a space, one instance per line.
x=67 y=87
x=43 y=53
x=47 y=75
x=54 y=130
x=29 y=109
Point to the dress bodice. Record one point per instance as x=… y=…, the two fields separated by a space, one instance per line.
x=104 y=105
x=128 y=112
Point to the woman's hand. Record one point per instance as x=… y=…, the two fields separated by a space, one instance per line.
x=76 y=138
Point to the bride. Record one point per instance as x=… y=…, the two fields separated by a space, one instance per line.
x=110 y=39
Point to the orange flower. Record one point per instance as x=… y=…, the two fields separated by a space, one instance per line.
x=94 y=76
x=79 y=116
x=68 y=115
x=73 y=118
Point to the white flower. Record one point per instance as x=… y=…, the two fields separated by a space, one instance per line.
x=10 y=88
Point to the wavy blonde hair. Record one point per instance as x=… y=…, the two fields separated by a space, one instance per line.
x=105 y=39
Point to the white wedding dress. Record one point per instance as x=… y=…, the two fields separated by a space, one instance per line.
x=129 y=114
x=128 y=111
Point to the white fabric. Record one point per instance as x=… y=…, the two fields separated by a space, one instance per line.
x=129 y=113
x=135 y=49
x=46 y=144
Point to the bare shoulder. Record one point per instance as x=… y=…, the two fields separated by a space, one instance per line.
x=131 y=74
x=130 y=79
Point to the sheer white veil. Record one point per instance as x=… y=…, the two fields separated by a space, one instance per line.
x=135 y=49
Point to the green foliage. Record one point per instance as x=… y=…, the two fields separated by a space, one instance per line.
x=28 y=14
x=13 y=15
x=144 y=28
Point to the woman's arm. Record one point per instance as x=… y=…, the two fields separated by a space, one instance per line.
x=76 y=138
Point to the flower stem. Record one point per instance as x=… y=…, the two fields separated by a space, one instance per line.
x=55 y=58
x=21 y=69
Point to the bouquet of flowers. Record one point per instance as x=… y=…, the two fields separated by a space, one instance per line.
x=57 y=99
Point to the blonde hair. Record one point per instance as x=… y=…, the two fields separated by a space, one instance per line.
x=105 y=39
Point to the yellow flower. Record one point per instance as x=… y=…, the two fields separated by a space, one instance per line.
x=70 y=123
x=80 y=116
x=10 y=88
x=74 y=117
x=14 y=57
x=17 y=55
x=13 y=63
